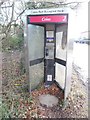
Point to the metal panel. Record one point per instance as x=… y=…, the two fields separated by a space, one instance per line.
x=35 y=54
x=49 y=54
x=69 y=68
x=69 y=55
x=49 y=71
x=60 y=62
x=26 y=49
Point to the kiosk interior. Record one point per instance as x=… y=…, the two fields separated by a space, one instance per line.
x=48 y=50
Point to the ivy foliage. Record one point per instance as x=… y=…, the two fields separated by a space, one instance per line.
x=14 y=40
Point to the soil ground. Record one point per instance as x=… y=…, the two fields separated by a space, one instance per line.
x=22 y=104
x=76 y=105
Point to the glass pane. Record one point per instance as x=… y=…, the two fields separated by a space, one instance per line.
x=61 y=41
x=60 y=75
x=35 y=42
x=36 y=74
x=36 y=51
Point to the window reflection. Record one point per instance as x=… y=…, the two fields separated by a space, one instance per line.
x=61 y=42
x=64 y=40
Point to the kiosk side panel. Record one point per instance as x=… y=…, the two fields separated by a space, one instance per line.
x=68 y=69
x=69 y=55
x=26 y=48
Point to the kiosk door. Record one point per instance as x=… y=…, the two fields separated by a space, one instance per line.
x=36 y=54
x=60 y=58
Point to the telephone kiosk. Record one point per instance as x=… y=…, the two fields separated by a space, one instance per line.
x=48 y=49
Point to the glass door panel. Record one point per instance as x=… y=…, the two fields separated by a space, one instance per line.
x=36 y=54
x=60 y=58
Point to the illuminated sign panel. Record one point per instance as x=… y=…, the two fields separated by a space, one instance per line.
x=48 y=19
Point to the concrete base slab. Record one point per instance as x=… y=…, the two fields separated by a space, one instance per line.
x=48 y=100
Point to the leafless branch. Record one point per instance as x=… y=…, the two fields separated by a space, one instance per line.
x=72 y=3
x=57 y=3
x=20 y=14
x=1 y=3
x=44 y=4
x=6 y=6
x=12 y=15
